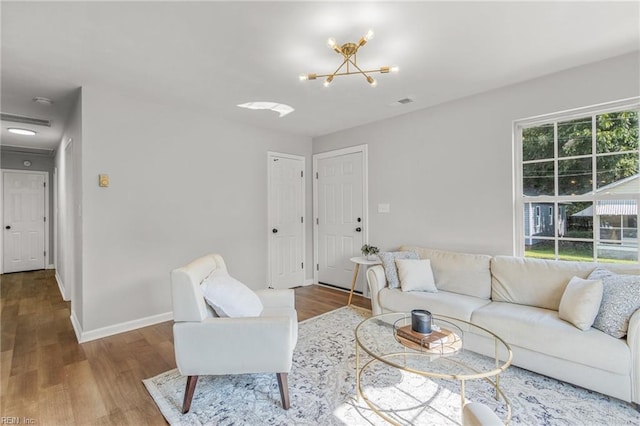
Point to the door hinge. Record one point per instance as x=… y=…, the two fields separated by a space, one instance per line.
x=44 y=219
x=301 y=219
x=44 y=184
x=302 y=265
x=316 y=175
x=317 y=266
x=317 y=221
x=44 y=254
x=301 y=173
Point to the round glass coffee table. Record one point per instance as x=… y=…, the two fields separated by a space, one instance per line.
x=394 y=354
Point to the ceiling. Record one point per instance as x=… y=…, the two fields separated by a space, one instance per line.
x=207 y=57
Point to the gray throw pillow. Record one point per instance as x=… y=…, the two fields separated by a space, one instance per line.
x=388 y=259
x=620 y=299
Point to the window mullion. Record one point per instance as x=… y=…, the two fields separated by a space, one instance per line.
x=556 y=190
x=594 y=184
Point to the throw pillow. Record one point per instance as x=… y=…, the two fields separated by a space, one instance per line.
x=620 y=299
x=388 y=259
x=580 y=302
x=416 y=275
x=229 y=297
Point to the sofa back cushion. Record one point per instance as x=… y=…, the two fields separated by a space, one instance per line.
x=460 y=273
x=533 y=282
x=539 y=282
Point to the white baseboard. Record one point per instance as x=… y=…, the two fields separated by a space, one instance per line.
x=308 y=281
x=51 y=266
x=99 y=333
x=62 y=288
x=76 y=326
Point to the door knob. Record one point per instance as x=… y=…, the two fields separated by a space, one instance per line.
x=358 y=229
x=7 y=227
x=274 y=230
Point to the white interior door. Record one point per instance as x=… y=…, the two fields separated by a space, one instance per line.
x=24 y=221
x=340 y=213
x=286 y=220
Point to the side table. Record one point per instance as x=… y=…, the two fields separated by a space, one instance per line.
x=360 y=260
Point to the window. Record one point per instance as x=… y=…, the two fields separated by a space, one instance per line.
x=582 y=169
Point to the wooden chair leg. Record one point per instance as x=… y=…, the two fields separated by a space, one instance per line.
x=284 y=389
x=188 y=393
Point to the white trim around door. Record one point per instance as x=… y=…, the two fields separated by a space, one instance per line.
x=365 y=196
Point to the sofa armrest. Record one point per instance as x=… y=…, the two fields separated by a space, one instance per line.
x=234 y=346
x=633 y=340
x=377 y=281
x=277 y=298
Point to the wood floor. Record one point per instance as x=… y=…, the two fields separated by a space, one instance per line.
x=47 y=378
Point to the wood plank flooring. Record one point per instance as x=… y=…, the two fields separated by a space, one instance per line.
x=48 y=378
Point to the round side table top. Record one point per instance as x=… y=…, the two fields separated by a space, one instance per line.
x=362 y=260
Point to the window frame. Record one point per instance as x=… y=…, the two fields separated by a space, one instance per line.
x=593 y=196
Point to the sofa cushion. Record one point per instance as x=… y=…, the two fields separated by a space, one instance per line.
x=415 y=275
x=580 y=302
x=541 y=330
x=620 y=299
x=533 y=282
x=388 y=259
x=462 y=273
x=440 y=303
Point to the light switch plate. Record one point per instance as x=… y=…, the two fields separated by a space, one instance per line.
x=383 y=208
x=103 y=181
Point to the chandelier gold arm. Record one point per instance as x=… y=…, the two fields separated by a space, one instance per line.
x=350 y=73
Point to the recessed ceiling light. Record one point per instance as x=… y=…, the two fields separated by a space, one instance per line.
x=282 y=109
x=42 y=101
x=24 y=132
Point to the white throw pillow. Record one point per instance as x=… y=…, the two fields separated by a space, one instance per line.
x=580 y=302
x=229 y=297
x=416 y=275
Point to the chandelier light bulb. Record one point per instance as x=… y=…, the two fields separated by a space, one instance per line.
x=369 y=35
x=372 y=81
x=331 y=42
x=303 y=77
x=328 y=81
x=395 y=68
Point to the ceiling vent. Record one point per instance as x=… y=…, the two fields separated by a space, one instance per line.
x=24 y=120
x=402 y=101
x=9 y=149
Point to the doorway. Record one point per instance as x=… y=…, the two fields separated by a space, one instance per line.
x=286 y=223
x=25 y=211
x=340 y=212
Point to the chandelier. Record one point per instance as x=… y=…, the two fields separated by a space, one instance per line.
x=349 y=52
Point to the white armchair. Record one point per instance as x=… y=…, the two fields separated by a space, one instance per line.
x=209 y=345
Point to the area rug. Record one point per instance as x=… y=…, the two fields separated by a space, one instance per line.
x=323 y=391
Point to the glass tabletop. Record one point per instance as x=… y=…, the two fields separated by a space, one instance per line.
x=442 y=354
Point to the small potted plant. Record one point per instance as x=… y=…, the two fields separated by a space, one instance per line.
x=371 y=252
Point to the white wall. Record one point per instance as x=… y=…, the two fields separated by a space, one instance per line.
x=447 y=171
x=181 y=185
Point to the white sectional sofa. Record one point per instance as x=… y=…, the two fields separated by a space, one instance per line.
x=518 y=299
